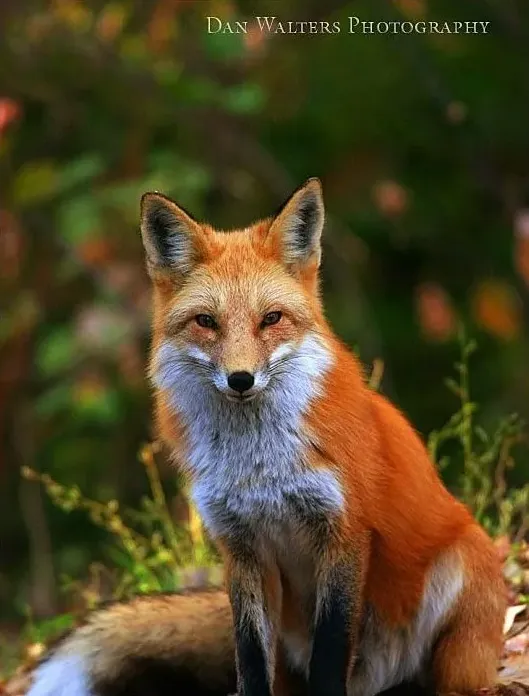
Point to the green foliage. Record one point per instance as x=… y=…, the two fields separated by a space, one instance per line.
x=43 y=631
x=486 y=459
x=149 y=551
x=56 y=351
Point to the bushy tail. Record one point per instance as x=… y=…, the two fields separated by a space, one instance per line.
x=176 y=644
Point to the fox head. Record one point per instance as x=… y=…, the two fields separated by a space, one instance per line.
x=234 y=312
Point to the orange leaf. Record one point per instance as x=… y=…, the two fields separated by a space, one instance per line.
x=496 y=308
x=390 y=198
x=436 y=314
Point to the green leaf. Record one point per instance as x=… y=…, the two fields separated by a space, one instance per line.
x=201 y=91
x=470 y=348
x=35 y=182
x=80 y=171
x=168 y=74
x=79 y=219
x=482 y=434
x=100 y=405
x=56 y=352
x=50 y=628
x=244 y=99
x=223 y=46
x=453 y=386
x=53 y=401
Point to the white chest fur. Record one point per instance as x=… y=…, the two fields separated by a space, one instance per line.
x=389 y=656
x=248 y=461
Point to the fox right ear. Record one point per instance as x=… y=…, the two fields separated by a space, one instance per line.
x=297 y=228
x=171 y=237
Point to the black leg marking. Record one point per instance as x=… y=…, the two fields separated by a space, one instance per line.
x=252 y=658
x=252 y=662
x=331 y=652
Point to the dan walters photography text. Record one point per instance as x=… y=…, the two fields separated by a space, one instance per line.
x=353 y=25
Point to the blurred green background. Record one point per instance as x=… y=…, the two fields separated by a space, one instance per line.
x=422 y=144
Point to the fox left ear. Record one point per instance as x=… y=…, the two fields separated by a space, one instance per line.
x=298 y=226
x=172 y=239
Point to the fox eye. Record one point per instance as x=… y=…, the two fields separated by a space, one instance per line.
x=271 y=318
x=206 y=321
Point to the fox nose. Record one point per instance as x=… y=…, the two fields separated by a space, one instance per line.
x=240 y=381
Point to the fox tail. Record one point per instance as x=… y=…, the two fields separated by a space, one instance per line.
x=174 y=645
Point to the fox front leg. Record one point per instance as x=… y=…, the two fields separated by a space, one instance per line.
x=338 y=609
x=255 y=599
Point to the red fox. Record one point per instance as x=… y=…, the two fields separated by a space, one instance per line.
x=344 y=553
x=347 y=561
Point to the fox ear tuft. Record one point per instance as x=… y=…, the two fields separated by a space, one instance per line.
x=169 y=234
x=299 y=224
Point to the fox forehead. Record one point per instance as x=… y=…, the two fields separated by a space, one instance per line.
x=238 y=280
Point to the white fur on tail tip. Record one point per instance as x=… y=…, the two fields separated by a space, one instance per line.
x=61 y=676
